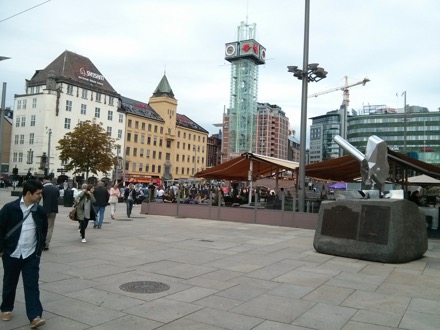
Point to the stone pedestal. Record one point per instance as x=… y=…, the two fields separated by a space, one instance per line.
x=384 y=230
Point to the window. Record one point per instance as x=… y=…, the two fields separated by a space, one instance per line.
x=129 y=123
x=178 y=134
x=37 y=89
x=135 y=138
x=84 y=93
x=33 y=120
x=158 y=168
x=141 y=167
x=121 y=118
x=147 y=168
x=69 y=105
x=17 y=122
x=119 y=133
x=143 y=126
x=98 y=97
x=141 y=152
x=160 y=142
x=155 y=128
x=148 y=140
x=135 y=151
x=110 y=115
x=178 y=144
x=127 y=151
x=155 y=141
x=133 y=167
x=69 y=89
x=177 y=157
x=83 y=109
x=97 y=112
x=111 y=100
x=20 y=157
x=23 y=121
x=167 y=156
x=14 y=158
x=136 y=124
x=189 y=136
x=160 y=154
x=161 y=130
x=21 y=138
x=31 y=138
x=109 y=130
x=142 y=139
x=16 y=139
x=67 y=123
x=34 y=103
x=128 y=136
x=24 y=104
x=153 y=168
x=184 y=135
x=154 y=154
x=149 y=127
x=183 y=145
x=148 y=153
x=199 y=138
x=168 y=144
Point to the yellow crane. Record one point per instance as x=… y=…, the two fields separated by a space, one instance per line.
x=344 y=89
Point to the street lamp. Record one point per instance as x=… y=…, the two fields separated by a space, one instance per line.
x=195 y=156
x=313 y=73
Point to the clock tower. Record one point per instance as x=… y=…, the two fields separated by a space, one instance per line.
x=239 y=121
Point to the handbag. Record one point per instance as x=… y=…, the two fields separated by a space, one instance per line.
x=72 y=214
x=113 y=199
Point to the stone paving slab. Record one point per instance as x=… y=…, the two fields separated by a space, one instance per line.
x=221 y=275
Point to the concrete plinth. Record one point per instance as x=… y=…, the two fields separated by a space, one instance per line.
x=384 y=230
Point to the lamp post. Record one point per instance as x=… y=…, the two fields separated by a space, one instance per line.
x=310 y=72
x=195 y=156
x=404 y=122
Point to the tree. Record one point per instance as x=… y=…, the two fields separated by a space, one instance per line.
x=88 y=148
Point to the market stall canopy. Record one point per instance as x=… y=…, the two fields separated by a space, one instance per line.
x=423 y=180
x=347 y=168
x=237 y=169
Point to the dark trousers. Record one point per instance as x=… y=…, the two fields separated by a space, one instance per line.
x=30 y=269
x=129 y=206
x=82 y=227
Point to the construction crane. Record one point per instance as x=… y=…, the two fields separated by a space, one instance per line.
x=344 y=88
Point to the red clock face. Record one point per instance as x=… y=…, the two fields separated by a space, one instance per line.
x=255 y=49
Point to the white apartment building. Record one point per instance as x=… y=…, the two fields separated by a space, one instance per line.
x=68 y=91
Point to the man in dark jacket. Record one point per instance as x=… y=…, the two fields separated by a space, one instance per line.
x=23 y=230
x=101 y=195
x=51 y=194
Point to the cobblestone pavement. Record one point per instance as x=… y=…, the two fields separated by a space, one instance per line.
x=158 y=272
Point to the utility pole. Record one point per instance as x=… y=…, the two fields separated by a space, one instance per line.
x=48 y=152
x=1 y=123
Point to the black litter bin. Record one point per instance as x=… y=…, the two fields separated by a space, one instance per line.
x=68 y=198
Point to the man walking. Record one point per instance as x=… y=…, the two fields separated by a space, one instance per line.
x=51 y=194
x=23 y=229
x=102 y=196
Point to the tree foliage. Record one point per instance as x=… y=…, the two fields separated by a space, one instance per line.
x=88 y=148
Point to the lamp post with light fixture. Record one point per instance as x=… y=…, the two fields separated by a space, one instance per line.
x=309 y=73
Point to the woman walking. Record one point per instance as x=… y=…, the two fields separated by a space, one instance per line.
x=85 y=209
x=114 y=195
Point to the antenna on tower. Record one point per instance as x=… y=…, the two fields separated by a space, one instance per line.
x=247 y=11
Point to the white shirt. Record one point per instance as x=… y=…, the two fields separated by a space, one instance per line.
x=28 y=236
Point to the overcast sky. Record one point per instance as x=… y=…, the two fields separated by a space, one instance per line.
x=395 y=43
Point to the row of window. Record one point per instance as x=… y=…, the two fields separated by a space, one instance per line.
x=22 y=104
x=83 y=111
x=85 y=95
x=20 y=121
x=140 y=167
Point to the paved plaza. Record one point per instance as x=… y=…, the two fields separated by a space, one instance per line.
x=159 y=272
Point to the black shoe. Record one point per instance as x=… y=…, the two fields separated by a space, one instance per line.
x=128 y=215
x=99 y=227
x=95 y=226
x=45 y=248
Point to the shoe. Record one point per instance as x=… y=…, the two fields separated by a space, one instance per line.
x=84 y=240
x=95 y=226
x=129 y=215
x=113 y=217
x=6 y=316
x=99 y=227
x=37 y=322
x=45 y=248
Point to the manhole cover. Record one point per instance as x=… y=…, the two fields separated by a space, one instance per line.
x=144 y=287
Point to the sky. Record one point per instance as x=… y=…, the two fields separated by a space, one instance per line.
x=394 y=43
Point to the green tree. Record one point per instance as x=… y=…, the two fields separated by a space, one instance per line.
x=88 y=148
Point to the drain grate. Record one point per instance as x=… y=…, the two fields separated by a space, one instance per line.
x=144 y=287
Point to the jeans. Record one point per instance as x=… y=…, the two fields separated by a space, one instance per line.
x=99 y=215
x=83 y=226
x=30 y=269
x=129 y=203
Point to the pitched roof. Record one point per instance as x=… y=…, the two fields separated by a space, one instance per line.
x=76 y=69
x=164 y=88
x=139 y=108
x=184 y=121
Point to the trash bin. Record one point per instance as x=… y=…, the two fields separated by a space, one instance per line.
x=68 y=197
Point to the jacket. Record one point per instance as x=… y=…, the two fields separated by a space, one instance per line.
x=127 y=192
x=50 y=198
x=80 y=200
x=10 y=215
x=101 y=195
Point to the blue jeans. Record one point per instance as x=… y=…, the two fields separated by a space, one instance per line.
x=29 y=269
x=129 y=203
x=99 y=215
